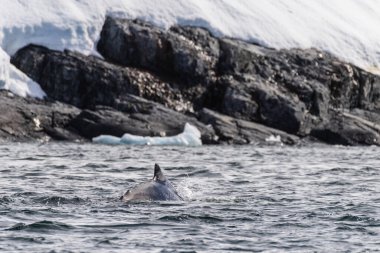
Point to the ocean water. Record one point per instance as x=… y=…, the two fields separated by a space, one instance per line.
x=60 y=197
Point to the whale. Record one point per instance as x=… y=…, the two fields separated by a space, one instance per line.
x=157 y=189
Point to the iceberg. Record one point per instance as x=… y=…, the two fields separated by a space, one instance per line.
x=190 y=136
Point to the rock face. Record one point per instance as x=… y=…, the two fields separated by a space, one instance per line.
x=236 y=131
x=186 y=54
x=152 y=81
x=89 y=81
x=26 y=119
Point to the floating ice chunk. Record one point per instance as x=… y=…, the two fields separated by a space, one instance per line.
x=189 y=137
x=131 y=139
x=107 y=139
x=273 y=139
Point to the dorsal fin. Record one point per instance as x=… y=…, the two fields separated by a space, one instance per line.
x=158 y=174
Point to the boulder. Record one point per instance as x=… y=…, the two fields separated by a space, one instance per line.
x=234 y=131
x=348 y=129
x=187 y=54
x=252 y=99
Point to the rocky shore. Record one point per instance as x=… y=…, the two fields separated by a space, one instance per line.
x=151 y=81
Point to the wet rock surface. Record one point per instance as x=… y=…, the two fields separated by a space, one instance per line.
x=152 y=81
x=26 y=119
x=143 y=118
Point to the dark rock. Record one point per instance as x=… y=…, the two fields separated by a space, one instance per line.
x=202 y=39
x=185 y=53
x=105 y=121
x=293 y=89
x=253 y=99
x=144 y=118
x=61 y=134
x=348 y=129
x=238 y=57
x=303 y=92
x=238 y=100
x=235 y=131
x=89 y=81
x=25 y=119
x=195 y=54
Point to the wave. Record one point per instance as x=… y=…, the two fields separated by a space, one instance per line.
x=41 y=226
x=189 y=217
x=357 y=218
x=58 y=200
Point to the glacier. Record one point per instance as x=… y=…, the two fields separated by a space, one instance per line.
x=346 y=28
x=190 y=136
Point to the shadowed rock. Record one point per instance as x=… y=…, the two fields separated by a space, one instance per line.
x=26 y=119
x=348 y=129
x=235 y=131
x=188 y=54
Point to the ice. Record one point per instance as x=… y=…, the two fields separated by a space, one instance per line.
x=346 y=28
x=107 y=139
x=273 y=139
x=189 y=137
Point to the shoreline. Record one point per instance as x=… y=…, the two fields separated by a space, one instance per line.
x=152 y=81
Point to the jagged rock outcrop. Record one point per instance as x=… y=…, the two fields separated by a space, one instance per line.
x=252 y=99
x=309 y=82
x=87 y=81
x=186 y=54
x=244 y=91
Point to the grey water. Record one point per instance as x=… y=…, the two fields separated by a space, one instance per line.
x=61 y=197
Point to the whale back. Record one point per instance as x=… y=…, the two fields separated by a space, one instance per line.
x=157 y=189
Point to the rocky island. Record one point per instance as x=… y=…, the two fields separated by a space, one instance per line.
x=149 y=81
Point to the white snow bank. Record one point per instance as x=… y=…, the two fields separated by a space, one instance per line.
x=189 y=137
x=346 y=28
x=14 y=80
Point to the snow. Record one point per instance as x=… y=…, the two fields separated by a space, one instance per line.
x=346 y=28
x=189 y=137
x=14 y=80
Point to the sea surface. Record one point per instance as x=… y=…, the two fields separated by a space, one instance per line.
x=62 y=197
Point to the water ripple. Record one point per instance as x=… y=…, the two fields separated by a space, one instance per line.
x=64 y=197
x=40 y=226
